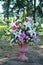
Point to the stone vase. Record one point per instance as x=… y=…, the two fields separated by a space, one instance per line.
x=22 y=52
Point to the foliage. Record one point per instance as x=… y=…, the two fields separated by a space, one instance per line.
x=4 y=37
x=4 y=30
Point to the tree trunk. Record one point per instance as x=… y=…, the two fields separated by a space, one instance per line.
x=8 y=4
x=34 y=11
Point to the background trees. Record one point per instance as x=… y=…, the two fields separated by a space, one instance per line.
x=13 y=7
x=39 y=8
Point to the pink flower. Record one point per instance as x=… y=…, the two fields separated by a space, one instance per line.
x=27 y=20
x=27 y=32
x=27 y=41
x=14 y=27
x=17 y=23
x=20 y=39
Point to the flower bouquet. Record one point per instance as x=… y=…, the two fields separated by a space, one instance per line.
x=24 y=32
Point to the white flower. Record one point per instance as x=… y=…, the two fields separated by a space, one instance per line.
x=12 y=31
x=36 y=23
x=32 y=31
x=12 y=23
x=29 y=18
x=27 y=24
x=19 y=33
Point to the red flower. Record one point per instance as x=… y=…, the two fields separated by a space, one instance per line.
x=17 y=23
x=14 y=27
x=27 y=32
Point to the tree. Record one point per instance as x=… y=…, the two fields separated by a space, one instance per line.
x=34 y=11
x=39 y=8
x=10 y=6
x=6 y=6
x=21 y=4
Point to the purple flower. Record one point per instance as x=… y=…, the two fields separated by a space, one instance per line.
x=27 y=20
x=22 y=35
x=35 y=36
x=20 y=39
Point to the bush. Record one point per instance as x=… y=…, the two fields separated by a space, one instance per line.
x=4 y=32
x=4 y=37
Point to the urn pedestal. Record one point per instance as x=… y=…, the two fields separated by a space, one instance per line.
x=22 y=52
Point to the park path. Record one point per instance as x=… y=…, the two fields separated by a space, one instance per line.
x=35 y=56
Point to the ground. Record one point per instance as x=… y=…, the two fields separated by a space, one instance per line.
x=8 y=55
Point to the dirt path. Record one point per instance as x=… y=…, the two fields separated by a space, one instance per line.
x=8 y=56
